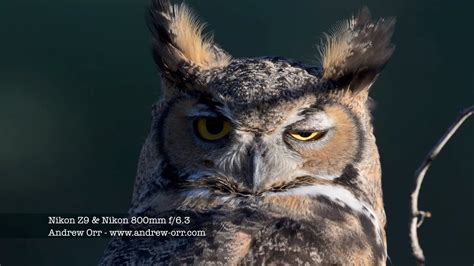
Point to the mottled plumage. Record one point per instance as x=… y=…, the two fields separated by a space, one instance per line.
x=275 y=159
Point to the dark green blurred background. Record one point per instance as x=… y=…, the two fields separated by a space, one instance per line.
x=77 y=82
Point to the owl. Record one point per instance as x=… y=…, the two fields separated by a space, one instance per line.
x=274 y=159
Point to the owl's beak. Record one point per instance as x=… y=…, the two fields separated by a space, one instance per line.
x=257 y=170
x=264 y=167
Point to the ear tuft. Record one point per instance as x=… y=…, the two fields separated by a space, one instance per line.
x=178 y=39
x=357 y=50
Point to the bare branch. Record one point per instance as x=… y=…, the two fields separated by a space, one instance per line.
x=417 y=216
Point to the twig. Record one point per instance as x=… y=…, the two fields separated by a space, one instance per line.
x=417 y=216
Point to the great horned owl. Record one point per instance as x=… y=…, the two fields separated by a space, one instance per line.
x=273 y=158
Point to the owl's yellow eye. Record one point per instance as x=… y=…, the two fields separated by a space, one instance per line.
x=211 y=128
x=305 y=135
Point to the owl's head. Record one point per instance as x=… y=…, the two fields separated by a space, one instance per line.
x=266 y=125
